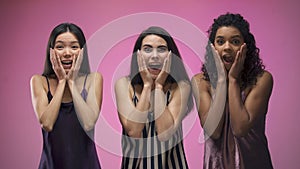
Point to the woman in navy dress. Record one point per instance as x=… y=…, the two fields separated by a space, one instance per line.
x=67 y=99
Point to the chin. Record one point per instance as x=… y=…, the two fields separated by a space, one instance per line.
x=154 y=76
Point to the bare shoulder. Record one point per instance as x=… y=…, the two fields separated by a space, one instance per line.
x=38 y=83
x=96 y=75
x=266 y=79
x=37 y=80
x=200 y=81
x=199 y=78
x=123 y=87
x=122 y=81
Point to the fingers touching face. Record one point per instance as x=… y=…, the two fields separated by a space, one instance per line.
x=228 y=42
x=154 y=50
x=67 y=49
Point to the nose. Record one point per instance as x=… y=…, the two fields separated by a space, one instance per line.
x=154 y=55
x=227 y=46
x=67 y=52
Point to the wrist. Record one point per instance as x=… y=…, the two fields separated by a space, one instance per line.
x=61 y=81
x=233 y=81
x=158 y=86
x=147 y=86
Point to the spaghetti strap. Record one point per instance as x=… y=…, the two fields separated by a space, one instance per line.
x=134 y=98
x=168 y=97
x=49 y=95
x=85 y=81
x=84 y=91
x=48 y=83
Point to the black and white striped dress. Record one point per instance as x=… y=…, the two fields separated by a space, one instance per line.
x=150 y=153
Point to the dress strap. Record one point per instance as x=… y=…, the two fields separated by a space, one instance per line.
x=49 y=95
x=134 y=98
x=84 y=91
x=48 y=83
x=85 y=81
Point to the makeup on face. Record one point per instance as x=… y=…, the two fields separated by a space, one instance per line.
x=228 y=42
x=154 y=50
x=66 y=47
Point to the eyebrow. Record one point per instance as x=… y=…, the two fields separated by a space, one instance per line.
x=64 y=42
x=234 y=36
x=147 y=45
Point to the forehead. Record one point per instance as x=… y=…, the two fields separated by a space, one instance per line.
x=154 y=40
x=67 y=36
x=228 y=31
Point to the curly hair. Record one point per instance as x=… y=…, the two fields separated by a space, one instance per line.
x=253 y=65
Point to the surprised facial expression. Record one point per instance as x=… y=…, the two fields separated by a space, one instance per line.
x=66 y=48
x=228 y=42
x=155 y=50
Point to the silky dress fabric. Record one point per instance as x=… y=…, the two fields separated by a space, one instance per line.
x=68 y=146
x=150 y=153
x=230 y=152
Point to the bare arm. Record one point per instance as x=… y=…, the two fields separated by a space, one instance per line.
x=169 y=118
x=244 y=115
x=46 y=112
x=88 y=111
x=133 y=118
x=211 y=112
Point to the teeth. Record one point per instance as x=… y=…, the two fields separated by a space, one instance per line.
x=66 y=62
x=155 y=66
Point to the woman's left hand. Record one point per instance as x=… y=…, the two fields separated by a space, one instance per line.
x=165 y=71
x=238 y=65
x=73 y=73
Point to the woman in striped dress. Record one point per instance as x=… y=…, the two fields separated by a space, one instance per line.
x=152 y=102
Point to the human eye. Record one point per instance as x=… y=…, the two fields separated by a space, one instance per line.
x=59 y=46
x=147 y=49
x=220 y=41
x=75 y=47
x=162 y=49
x=236 y=42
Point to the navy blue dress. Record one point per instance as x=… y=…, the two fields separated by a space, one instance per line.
x=68 y=146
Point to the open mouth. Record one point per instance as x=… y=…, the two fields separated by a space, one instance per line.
x=228 y=59
x=154 y=68
x=67 y=64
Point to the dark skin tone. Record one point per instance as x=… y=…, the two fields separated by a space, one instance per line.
x=229 y=45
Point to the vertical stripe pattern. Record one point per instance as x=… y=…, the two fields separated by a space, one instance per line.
x=150 y=153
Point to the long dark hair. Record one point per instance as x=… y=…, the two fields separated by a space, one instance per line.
x=77 y=32
x=253 y=65
x=177 y=70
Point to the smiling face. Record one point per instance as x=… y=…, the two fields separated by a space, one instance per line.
x=154 y=49
x=67 y=48
x=228 y=42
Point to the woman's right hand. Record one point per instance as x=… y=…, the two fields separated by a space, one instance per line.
x=57 y=66
x=222 y=73
x=143 y=70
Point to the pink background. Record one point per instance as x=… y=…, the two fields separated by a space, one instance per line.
x=25 y=28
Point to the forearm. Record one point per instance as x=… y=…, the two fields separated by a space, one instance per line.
x=214 y=118
x=138 y=116
x=239 y=116
x=49 y=116
x=164 y=119
x=86 y=114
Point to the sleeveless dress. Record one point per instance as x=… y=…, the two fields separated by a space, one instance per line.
x=230 y=152
x=68 y=146
x=150 y=153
